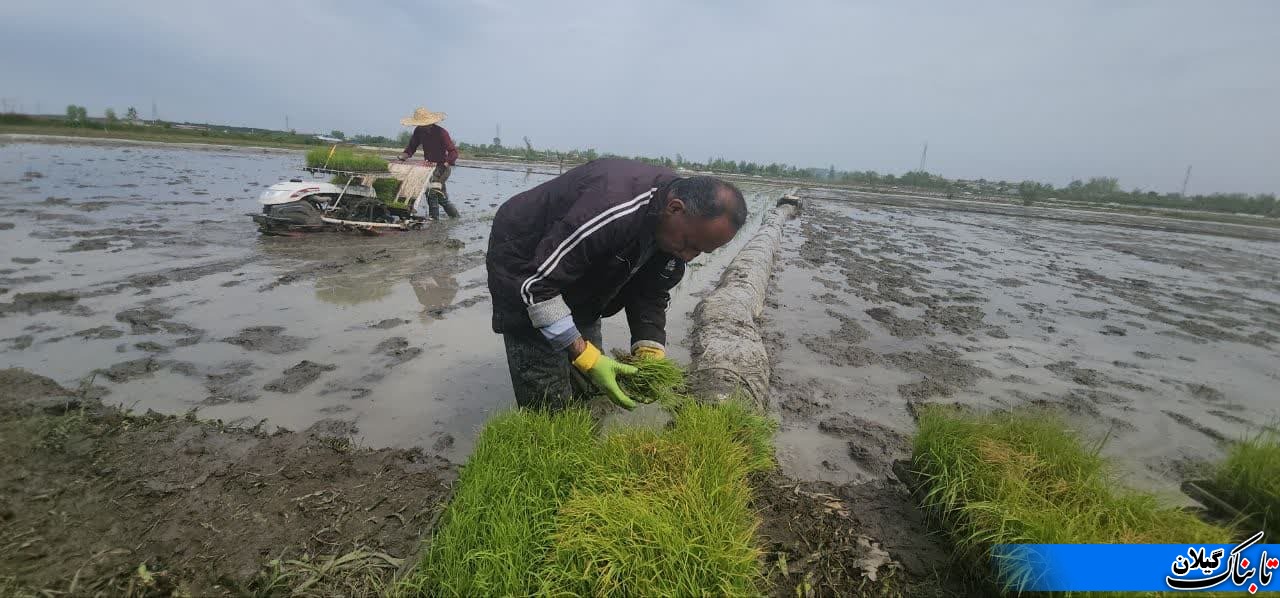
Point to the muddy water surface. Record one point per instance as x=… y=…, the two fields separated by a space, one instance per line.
x=133 y=271
x=1164 y=343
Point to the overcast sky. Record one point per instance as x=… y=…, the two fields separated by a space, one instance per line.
x=1012 y=90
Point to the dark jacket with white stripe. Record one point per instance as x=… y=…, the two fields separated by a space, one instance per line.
x=582 y=244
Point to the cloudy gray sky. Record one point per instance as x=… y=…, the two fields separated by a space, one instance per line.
x=1014 y=90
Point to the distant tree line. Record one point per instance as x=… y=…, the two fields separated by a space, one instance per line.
x=1097 y=190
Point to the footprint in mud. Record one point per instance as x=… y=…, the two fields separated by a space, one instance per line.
x=872 y=446
x=397 y=350
x=268 y=339
x=297 y=377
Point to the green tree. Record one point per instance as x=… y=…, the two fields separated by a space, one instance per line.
x=336 y=134
x=1031 y=191
x=82 y=115
x=110 y=116
x=73 y=115
x=131 y=114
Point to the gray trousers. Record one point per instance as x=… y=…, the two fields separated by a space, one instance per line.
x=542 y=377
x=434 y=202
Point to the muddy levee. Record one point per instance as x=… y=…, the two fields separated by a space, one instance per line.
x=1163 y=343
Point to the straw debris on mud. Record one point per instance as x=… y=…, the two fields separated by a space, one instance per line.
x=95 y=500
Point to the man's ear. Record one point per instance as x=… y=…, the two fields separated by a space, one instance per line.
x=675 y=205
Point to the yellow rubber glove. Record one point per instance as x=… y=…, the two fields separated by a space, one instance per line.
x=649 y=352
x=604 y=372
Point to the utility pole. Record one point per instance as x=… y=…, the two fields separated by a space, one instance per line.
x=155 y=113
x=497 y=136
x=924 y=154
x=1186 y=179
x=286 y=123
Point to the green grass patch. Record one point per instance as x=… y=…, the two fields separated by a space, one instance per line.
x=548 y=506
x=343 y=158
x=1022 y=477
x=1249 y=479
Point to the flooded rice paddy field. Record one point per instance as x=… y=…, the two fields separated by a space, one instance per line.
x=1164 y=344
x=133 y=272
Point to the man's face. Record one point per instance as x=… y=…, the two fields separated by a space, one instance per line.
x=687 y=236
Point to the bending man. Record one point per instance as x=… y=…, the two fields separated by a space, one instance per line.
x=607 y=236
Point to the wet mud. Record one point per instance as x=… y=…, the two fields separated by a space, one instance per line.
x=299 y=376
x=854 y=539
x=187 y=306
x=90 y=493
x=1162 y=343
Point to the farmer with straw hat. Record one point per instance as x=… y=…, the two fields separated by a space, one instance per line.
x=437 y=147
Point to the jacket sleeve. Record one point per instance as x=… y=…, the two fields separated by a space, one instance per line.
x=592 y=229
x=450 y=150
x=414 y=142
x=647 y=296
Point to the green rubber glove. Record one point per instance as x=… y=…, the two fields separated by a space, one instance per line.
x=604 y=372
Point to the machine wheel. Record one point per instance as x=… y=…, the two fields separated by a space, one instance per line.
x=298 y=213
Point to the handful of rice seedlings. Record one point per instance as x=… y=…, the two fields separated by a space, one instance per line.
x=656 y=380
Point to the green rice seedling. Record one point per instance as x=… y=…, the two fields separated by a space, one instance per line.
x=496 y=531
x=545 y=506
x=386 y=189
x=345 y=159
x=656 y=380
x=1023 y=477
x=1250 y=478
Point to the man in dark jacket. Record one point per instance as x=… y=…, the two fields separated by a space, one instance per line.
x=607 y=236
x=437 y=147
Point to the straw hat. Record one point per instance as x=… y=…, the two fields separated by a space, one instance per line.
x=422 y=117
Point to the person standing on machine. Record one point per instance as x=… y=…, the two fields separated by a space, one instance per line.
x=437 y=147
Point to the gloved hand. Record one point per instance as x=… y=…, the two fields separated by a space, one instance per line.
x=604 y=372
x=649 y=352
